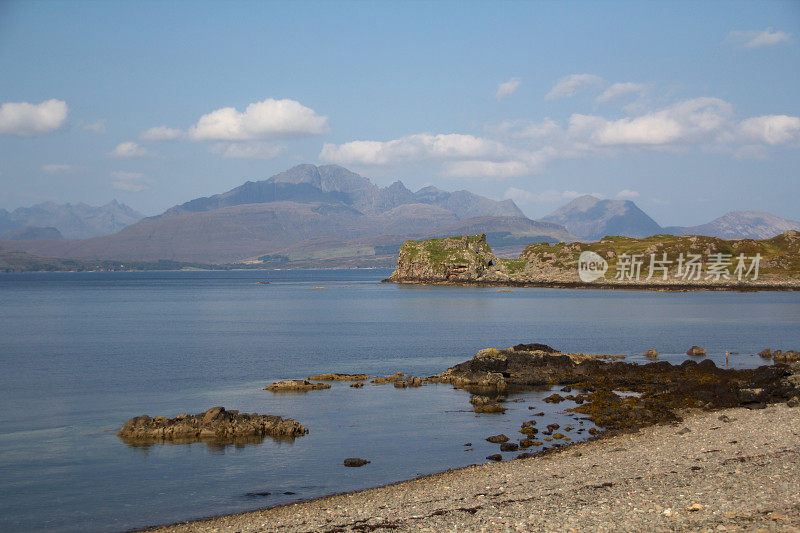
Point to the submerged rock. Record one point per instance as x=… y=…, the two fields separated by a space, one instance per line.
x=215 y=424
x=355 y=462
x=339 y=377
x=497 y=439
x=651 y=353
x=490 y=408
x=296 y=385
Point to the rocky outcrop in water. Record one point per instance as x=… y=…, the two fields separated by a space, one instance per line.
x=216 y=424
x=296 y=385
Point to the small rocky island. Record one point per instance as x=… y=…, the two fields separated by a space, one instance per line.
x=216 y=424
x=660 y=262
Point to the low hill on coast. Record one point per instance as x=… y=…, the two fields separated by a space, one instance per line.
x=661 y=262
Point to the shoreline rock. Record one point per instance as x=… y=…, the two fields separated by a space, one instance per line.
x=216 y=424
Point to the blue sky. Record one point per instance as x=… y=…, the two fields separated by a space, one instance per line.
x=688 y=108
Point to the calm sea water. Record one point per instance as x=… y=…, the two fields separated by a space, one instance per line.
x=80 y=353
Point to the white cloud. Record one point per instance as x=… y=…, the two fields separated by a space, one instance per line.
x=507 y=88
x=96 y=127
x=27 y=120
x=758 y=38
x=572 y=84
x=58 y=169
x=128 y=149
x=413 y=148
x=248 y=150
x=627 y=193
x=618 y=90
x=771 y=129
x=162 y=133
x=269 y=119
x=130 y=181
x=696 y=120
x=550 y=196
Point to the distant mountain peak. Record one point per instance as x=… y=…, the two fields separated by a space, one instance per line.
x=592 y=218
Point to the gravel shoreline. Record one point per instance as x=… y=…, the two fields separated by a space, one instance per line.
x=728 y=470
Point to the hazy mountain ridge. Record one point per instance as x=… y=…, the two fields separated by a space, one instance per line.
x=328 y=211
x=592 y=218
x=740 y=224
x=335 y=184
x=73 y=221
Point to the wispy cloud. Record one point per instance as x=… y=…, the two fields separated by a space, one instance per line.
x=98 y=127
x=619 y=90
x=130 y=181
x=162 y=133
x=129 y=149
x=248 y=150
x=628 y=193
x=550 y=196
x=58 y=169
x=758 y=38
x=572 y=84
x=507 y=88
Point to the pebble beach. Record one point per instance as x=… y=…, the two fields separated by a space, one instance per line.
x=730 y=470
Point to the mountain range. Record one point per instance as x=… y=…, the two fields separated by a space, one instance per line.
x=71 y=221
x=326 y=214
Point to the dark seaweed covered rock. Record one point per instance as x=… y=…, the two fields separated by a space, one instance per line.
x=216 y=424
x=663 y=389
x=355 y=462
x=497 y=439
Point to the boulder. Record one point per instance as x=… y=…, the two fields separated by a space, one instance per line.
x=696 y=351
x=217 y=423
x=296 y=385
x=497 y=439
x=509 y=447
x=651 y=353
x=766 y=353
x=495 y=457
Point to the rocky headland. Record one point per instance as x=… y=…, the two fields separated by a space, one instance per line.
x=689 y=262
x=217 y=424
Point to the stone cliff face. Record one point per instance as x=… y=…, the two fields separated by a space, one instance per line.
x=658 y=262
